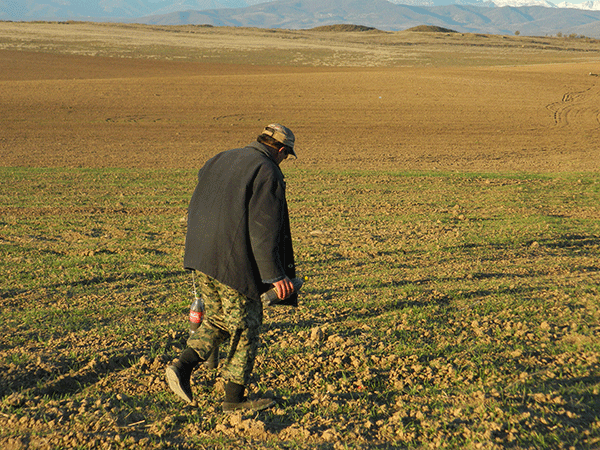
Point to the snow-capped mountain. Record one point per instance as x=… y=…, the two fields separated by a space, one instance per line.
x=592 y=5
x=520 y=3
x=483 y=3
x=589 y=6
x=345 y=10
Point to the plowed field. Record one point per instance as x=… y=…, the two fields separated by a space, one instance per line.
x=399 y=101
x=444 y=207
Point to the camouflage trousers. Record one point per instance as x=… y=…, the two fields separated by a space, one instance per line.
x=228 y=315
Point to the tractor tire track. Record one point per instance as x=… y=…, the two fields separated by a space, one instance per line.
x=578 y=108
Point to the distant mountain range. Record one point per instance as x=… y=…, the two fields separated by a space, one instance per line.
x=528 y=17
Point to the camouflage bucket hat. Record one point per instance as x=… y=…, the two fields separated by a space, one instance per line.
x=282 y=135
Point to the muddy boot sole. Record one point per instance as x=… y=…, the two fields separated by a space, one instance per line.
x=180 y=385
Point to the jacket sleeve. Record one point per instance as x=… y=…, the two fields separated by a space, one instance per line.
x=266 y=224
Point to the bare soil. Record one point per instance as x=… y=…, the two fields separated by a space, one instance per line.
x=98 y=95
x=402 y=101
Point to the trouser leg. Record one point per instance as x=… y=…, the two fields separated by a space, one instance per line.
x=212 y=331
x=232 y=315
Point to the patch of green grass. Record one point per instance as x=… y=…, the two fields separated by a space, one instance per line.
x=455 y=309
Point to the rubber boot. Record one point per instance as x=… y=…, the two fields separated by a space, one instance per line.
x=236 y=401
x=179 y=374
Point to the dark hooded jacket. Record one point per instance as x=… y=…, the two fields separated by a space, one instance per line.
x=238 y=229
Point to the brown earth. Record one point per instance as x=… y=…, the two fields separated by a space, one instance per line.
x=65 y=109
x=83 y=95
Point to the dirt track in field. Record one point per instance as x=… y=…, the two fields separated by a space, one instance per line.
x=62 y=109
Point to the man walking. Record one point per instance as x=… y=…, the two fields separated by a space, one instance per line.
x=239 y=244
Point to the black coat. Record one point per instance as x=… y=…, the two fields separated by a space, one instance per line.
x=238 y=224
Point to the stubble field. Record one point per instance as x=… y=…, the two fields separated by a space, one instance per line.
x=444 y=208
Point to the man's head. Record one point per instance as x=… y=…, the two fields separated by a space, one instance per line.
x=277 y=136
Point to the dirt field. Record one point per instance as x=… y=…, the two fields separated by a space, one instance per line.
x=442 y=310
x=401 y=101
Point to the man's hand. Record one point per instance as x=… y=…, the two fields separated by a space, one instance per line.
x=284 y=287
